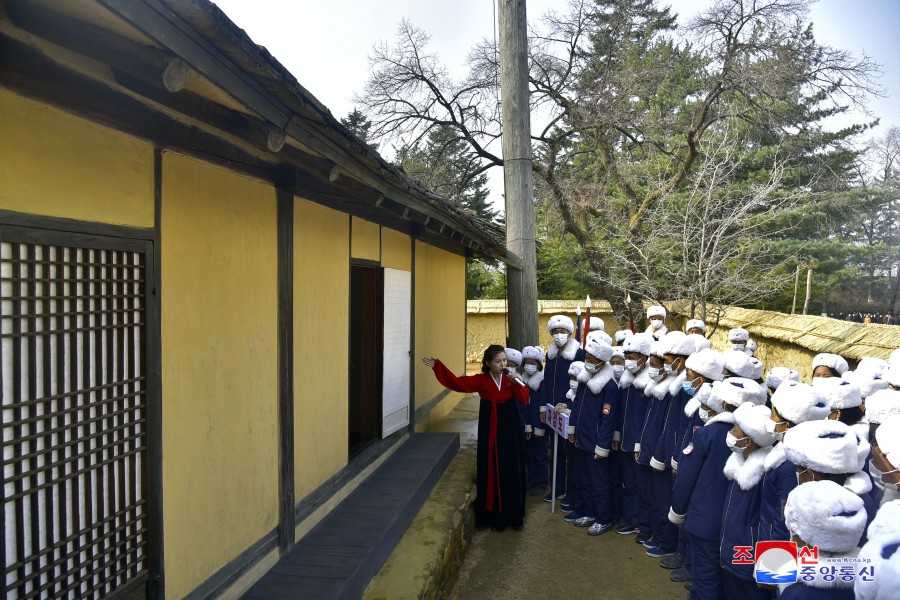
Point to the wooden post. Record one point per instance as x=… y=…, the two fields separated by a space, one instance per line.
x=808 y=291
x=796 y=285
x=521 y=285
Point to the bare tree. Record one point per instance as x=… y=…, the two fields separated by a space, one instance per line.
x=626 y=105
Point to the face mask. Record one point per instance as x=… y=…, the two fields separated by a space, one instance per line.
x=560 y=338
x=703 y=414
x=770 y=426
x=573 y=384
x=631 y=365
x=733 y=443
x=530 y=369
x=688 y=387
x=591 y=368
x=877 y=478
x=618 y=370
x=657 y=323
x=738 y=347
x=654 y=372
x=799 y=474
x=667 y=368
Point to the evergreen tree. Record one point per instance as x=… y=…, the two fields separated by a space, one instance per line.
x=359 y=125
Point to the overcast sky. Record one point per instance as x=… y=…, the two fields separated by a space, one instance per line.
x=326 y=43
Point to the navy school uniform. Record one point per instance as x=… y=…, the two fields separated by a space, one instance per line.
x=740 y=523
x=553 y=391
x=697 y=499
x=778 y=481
x=536 y=447
x=657 y=407
x=633 y=404
x=598 y=408
x=665 y=532
x=574 y=461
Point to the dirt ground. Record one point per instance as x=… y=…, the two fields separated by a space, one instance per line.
x=550 y=558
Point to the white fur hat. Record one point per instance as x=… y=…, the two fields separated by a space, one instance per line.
x=600 y=335
x=700 y=342
x=533 y=352
x=710 y=396
x=881 y=405
x=798 y=402
x=676 y=342
x=868 y=381
x=599 y=349
x=513 y=355
x=751 y=347
x=622 y=334
x=839 y=392
x=887 y=436
x=656 y=311
x=832 y=361
x=557 y=321
x=826 y=446
x=893 y=375
x=894 y=360
x=882 y=555
x=575 y=368
x=826 y=515
x=618 y=351
x=597 y=324
x=751 y=418
x=736 y=391
x=886 y=521
x=708 y=363
x=870 y=364
x=779 y=374
x=658 y=348
x=738 y=334
x=756 y=368
x=699 y=324
x=639 y=342
x=738 y=363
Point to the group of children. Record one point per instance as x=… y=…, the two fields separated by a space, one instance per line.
x=701 y=456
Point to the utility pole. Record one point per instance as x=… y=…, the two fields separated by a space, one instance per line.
x=521 y=284
x=796 y=285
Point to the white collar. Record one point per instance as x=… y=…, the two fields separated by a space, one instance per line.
x=534 y=381
x=568 y=352
x=747 y=472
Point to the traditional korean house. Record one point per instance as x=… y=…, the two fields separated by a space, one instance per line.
x=214 y=298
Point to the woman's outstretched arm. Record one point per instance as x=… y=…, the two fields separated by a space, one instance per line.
x=445 y=376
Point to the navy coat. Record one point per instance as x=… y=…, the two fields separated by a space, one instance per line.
x=556 y=372
x=699 y=490
x=777 y=483
x=657 y=408
x=634 y=409
x=599 y=409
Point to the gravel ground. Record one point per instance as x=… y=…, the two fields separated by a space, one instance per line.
x=550 y=558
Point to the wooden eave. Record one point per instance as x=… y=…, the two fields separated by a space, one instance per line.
x=105 y=59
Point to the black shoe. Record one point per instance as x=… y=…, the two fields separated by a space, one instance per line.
x=626 y=528
x=642 y=537
x=672 y=562
x=680 y=575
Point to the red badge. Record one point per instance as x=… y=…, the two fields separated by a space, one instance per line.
x=606 y=408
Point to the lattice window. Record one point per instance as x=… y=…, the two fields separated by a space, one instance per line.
x=74 y=419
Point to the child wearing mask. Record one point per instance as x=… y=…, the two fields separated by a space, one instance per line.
x=738 y=338
x=664 y=535
x=616 y=482
x=634 y=408
x=749 y=443
x=657 y=328
x=598 y=405
x=824 y=515
x=676 y=349
x=699 y=490
x=695 y=326
x=885 y=464
x=572 y=503
x=536 y=445
x=560 y=355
